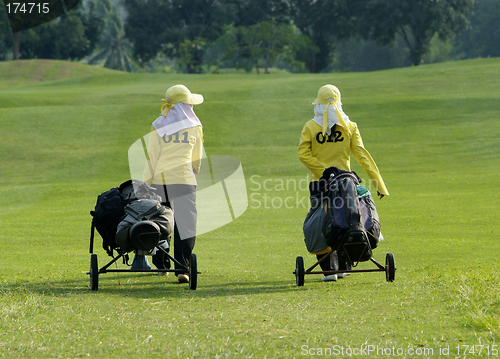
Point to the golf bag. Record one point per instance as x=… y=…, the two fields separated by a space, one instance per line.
x=146 y=222
x=110 y=211
x=353 y=220
x=343 y=217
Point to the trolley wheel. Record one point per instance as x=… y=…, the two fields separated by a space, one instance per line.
x=390 y=267
x=94 y=272
x=193 y=272
x=299 y=271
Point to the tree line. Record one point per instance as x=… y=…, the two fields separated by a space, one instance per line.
x=299 y=35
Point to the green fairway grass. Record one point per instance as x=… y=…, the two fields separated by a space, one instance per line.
x=433 y=130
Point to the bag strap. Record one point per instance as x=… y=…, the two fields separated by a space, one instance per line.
x=351 y=175
x=132 y=212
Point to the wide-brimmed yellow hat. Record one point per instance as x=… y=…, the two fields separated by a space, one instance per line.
x=179 y=94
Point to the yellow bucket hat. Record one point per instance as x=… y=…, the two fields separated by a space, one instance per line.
x=179 y=94
x=330 y=95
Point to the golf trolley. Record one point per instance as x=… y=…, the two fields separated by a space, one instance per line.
x=342 y=219
x=389 y=268
x=144 y=236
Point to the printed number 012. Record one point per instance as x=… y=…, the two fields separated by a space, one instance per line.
x=321 y=138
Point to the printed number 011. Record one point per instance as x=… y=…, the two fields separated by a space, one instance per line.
x=176 y=138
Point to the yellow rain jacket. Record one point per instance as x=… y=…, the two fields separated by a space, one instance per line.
x=318 y=152
x=174 y=159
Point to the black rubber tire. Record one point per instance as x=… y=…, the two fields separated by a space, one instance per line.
x=390 y=267
x=193 y=272
x=299 y=271
x=94 y=272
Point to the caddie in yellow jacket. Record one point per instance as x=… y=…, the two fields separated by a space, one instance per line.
x=328 y=140
x=175 y=151
x=174 y=158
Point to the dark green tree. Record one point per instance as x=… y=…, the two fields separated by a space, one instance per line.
x=114 y=48
x=324 y=22
x=482 y=38
x=235 y=50
x=69 y=37
x=63 y=38
x=93 y=21
x=263 y=44
x=164 y=25
x=416 y=21
x=190 y=54
x=251 y=12
x=5 y=33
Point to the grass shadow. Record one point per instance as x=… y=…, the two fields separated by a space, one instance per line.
x=142 y=286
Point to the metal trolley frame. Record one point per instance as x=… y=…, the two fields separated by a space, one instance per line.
x=389 y=268
x=95 y=271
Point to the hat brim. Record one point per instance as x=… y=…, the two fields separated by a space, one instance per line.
x=195 y=99
x=316 y=102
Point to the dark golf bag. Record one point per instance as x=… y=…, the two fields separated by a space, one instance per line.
x=143 y=205
x=352 y=226
x=146 y=222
